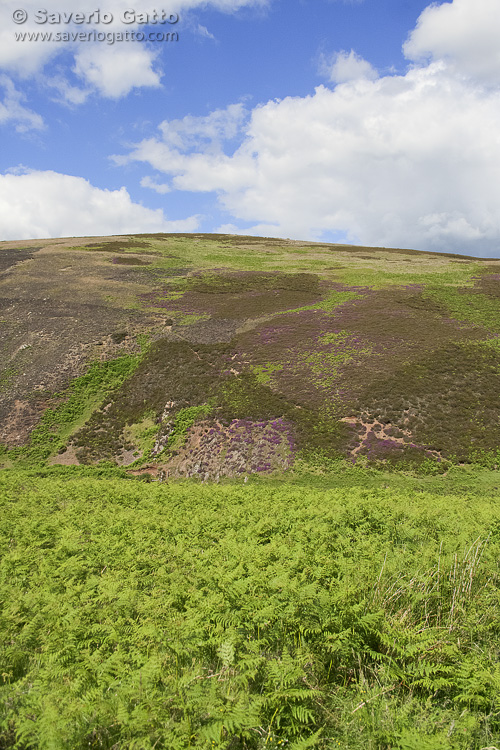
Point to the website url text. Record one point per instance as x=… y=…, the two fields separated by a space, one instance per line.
x=110 y=37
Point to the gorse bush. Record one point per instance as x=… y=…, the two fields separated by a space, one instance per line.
x=250 y=617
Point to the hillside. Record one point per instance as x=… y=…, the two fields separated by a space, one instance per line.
x=222 y=356
x=333 y=579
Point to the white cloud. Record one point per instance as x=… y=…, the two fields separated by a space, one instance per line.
x=37 y=204
x=22 y=57
x=115 y=71
x=204 y=32
x=408 y=160
x=401 y=160
x=161 y=188
x=347 y=66
x=68 y=94
x=136 y=60
x=211 y=130
x=464 y=33
x=12 y=110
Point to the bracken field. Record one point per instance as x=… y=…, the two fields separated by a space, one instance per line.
x=249 y=495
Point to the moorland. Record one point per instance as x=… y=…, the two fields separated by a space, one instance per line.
x=249 y=495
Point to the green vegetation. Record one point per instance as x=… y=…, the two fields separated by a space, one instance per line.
x=169 y=371
x=246 y=617
x=264 y=373
x=327 y=332
x=7 y=377
x=185 y=418
x=455 y=384
x=78 y=402
x=476 y=308
x=344 y=592
x=382 y=273
x=329 y=304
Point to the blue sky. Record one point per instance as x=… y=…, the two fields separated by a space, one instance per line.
x=373 y=122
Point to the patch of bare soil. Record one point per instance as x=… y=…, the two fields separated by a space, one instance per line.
x=17 y=423
x=387 y=436
x=68 y=458
x=153 y=471
x=10 y=257
x=126 y=457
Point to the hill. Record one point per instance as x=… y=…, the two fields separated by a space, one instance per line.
x=223 y=356
x=333 y=579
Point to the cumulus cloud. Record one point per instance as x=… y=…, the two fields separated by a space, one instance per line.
x=464 y=33
x=36 y=204
x=13 y=111
x=114 y=72
x=407 y=160
x=347 y=66
x=212 y=130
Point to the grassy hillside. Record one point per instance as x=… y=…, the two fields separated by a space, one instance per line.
x=318 y=566
x=140 y=615
x=223 y=356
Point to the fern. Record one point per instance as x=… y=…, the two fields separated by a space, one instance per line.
x=245 y=618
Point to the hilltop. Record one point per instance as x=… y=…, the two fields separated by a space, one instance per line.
x=228 y=356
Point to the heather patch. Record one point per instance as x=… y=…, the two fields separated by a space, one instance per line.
x=213 y=450
x=122 y=260
x=172 y=371
x=449 y=399
x=489 y=282
x=11 y=257
x=300 y=354
x=379 y=448
x=222 y=282
x=317 y=431
x=117 y=246
x=259 y=329
x=394 y=328
x=237 y=295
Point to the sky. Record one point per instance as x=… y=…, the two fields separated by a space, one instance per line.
x=370 y=122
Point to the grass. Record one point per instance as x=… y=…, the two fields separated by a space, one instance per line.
x=381 y=268
x=477 y=308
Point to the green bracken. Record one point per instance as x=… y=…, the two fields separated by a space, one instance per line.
x=250 y=617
